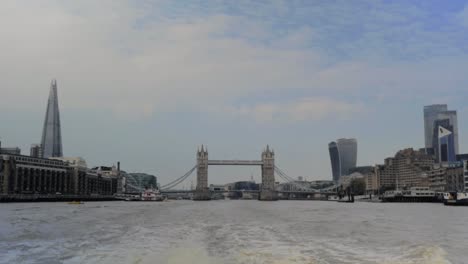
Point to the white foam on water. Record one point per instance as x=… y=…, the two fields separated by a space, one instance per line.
x=271 y=257
x=421 y=255
x=230 y=233
x=181 y=255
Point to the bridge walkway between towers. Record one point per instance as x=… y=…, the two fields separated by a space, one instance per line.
x=236 y=162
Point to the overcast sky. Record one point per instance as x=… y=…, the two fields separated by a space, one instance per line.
x=147 y=82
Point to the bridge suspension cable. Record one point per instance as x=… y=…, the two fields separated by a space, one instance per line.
x=179 y=180
x=283 y=175
x=292 y=181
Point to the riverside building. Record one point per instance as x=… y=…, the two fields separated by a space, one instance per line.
x=446 y=178
x=14 y=151
x=135 y=183
x=408 y=168
x=465 y=173
x=25 y=175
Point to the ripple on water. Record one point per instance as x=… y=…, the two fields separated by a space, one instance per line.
x=423 y=254
x=235 y=232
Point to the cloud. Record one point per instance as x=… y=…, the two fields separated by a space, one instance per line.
x=306 y=109
x=141 y=60
x=462 y=17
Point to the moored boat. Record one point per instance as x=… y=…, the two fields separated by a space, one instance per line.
x=413 y=194
x=456 y=198
x=152 y=195
x=75 y=202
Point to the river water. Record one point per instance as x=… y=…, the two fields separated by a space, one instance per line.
x=218 y=232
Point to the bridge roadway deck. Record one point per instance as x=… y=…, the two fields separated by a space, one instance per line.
x=251 y=191
x=236 y=162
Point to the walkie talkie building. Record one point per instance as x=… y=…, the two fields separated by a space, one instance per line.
x=343 y=156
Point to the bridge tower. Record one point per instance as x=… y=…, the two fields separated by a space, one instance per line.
x=202 y=191
x=267 y=191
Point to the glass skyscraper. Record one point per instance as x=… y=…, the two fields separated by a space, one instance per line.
x=430 y=115
x=138 y=182
x=343 y=156
x=435 y=116
x=335 y=160
x=444 y=148
x=51 y=134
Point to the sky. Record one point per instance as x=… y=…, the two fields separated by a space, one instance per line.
x=147 y=82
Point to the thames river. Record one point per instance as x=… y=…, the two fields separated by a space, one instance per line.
x=233 y=232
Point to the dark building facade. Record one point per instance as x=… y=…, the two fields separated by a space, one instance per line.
x=362 y=169
x=27 y=175
x=444 y=148
x=462 y=157
x=36 y=151
x=465 y=174
x=343 y=156
x=433 y=114
x=335 y=160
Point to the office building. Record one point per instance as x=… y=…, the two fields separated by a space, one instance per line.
x=362 y=169
x=465 y=174
x=335 y=161
x=430 y=115
x=443 y=141
x=137 y=182
x=13 y=150
x=462 y=157
x=347 y=149
x=446 y=178
x=433 y=116
x=51 y=133
x=343 y=156
x=36 y=151
x=408 y=168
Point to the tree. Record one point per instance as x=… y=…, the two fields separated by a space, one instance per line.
x=358 y=186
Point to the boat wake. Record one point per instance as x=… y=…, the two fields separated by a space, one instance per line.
x=422 y=255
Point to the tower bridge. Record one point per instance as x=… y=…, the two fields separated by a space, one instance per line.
x=267 y=190
x=267 y=163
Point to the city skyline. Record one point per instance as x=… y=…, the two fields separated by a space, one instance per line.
x=149 y=101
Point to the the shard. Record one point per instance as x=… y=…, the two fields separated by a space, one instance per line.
x=51 y=134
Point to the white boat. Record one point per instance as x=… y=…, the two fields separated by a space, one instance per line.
x=418 y=192
x=456 y=198
x=151 y=194
x=333 y=198
x=413 y=194
x=392 y=194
